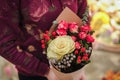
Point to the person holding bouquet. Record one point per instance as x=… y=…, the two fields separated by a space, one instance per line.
x=21 y=22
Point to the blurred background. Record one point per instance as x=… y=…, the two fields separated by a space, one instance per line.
x=105 y=64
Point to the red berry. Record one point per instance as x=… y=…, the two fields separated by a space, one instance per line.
x=42 y=41
x=47 y=38
x=85 y=58
x=86 y=54
x=46 y=32
x=43 y=46
x=78 y=60
x=76 y=52
x=45 y=35
x=83 y=49
x=54 y=33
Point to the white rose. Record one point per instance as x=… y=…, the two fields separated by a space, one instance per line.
x=60 y=46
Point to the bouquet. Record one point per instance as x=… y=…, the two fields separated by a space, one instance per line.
x=69 y=45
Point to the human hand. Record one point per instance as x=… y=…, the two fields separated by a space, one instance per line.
x=51 y=75
x=80 y=76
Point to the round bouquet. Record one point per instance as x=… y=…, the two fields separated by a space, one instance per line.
x=69 y=46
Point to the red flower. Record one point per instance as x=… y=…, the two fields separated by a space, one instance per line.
x=61 y=32
x=79 y=59
x=73 y=27
x=74 y=38
x=76 y=51
x=83 y=49
x=82 y=35
x=63 y=25
x=77 y=45
x=85 y=28
x=85 y=58
x=89 y=38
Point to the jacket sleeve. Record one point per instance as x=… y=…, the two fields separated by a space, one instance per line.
x=9 y=41
x=83 y=11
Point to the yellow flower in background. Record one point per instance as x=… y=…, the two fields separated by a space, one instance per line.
x=60 y=46
x=99 y=19
x=105 y=27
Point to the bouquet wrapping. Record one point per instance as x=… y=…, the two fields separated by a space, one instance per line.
x=68 y=46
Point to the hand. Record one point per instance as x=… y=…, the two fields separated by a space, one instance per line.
x=80 y=76
x=51 y=75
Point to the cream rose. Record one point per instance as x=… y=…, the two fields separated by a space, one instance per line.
x=60 y=46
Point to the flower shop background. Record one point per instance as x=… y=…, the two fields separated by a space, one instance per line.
x=105 y=64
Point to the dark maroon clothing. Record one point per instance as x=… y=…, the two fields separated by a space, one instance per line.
x=14 y=15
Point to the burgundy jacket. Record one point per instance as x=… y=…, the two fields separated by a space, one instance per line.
x=37 y=15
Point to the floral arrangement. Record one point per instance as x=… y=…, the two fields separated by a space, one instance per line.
x=69 y=46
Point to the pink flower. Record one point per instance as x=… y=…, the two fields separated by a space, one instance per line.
x=73 y=27
x=85 y=28
x=89 y=39
x=63 y=25
x=74 y=38
x=82 y=35
x=61 y=32
x=77 y=45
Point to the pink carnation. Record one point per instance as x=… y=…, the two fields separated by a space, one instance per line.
x=89 y=38
x=61 y=32
x=63 y=25
x=85 y=28
x=73 y=27
x=82 y=35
